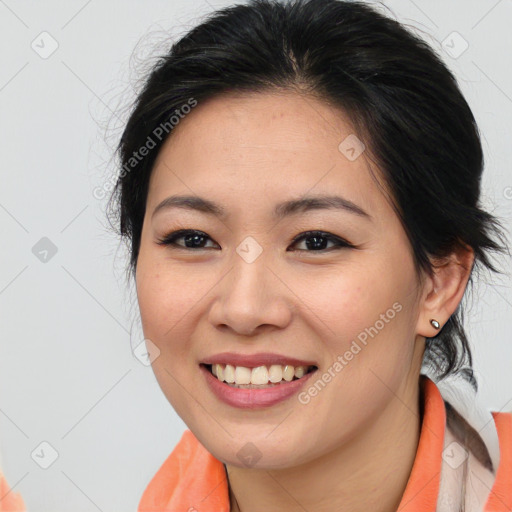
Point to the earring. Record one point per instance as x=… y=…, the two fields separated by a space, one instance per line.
x=435 y=324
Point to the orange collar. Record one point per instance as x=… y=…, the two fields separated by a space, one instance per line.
x=423 y=485
x=193 y=479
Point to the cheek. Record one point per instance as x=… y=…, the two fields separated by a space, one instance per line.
x=348 y=300
x=167 y=294
x=363 y=314
x=165 y=300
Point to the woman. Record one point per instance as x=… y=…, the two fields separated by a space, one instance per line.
x=300 y=193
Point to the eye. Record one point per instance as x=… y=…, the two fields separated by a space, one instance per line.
x=191 y=236
x=195 y=240
x=318 y=243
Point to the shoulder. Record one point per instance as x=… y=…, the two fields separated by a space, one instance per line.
x=189 y=475
x=171 y=470
x=468 y=473
x=10 y=501
x=500 y=497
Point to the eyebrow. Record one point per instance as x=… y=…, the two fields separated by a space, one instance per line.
x=285 y=209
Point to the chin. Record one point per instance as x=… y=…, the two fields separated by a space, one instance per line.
x=258 y=452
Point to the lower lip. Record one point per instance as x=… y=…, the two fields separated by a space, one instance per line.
x=253 y=398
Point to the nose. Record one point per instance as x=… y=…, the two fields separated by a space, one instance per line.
x=251 y=298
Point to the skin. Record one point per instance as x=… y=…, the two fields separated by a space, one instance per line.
x=351 y=447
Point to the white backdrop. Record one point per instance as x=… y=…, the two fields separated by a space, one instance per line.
x=67 y=373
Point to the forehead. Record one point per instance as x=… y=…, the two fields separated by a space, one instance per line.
x=265 y=145
x=280 y=121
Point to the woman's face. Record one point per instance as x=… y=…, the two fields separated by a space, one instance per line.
x=243 y=286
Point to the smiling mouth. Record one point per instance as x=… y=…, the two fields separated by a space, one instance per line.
x=258 y=377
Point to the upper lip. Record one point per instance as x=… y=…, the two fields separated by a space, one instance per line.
x=255 y=360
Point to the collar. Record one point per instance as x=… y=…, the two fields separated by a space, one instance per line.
x=422 y=487
x=192 y=479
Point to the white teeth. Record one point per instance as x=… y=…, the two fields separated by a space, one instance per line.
x=300 y=371
x=242 y=375
x=288 y=372
x=275 y=373
x=261 y=375
x=229 y=373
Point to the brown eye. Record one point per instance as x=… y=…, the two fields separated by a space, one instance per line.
x=317 y=241
x=193 y=239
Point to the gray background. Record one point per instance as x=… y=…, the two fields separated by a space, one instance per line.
x=67 y=373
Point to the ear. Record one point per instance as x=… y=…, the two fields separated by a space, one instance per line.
x=444 y=290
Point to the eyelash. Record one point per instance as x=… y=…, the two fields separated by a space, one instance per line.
x=170 y=240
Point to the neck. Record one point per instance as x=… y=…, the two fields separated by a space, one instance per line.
x=369 y=472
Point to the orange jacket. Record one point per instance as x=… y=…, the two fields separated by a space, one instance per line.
x=9 y=500
x=191 y=479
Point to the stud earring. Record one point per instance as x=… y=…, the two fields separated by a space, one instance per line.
x=435 y=324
